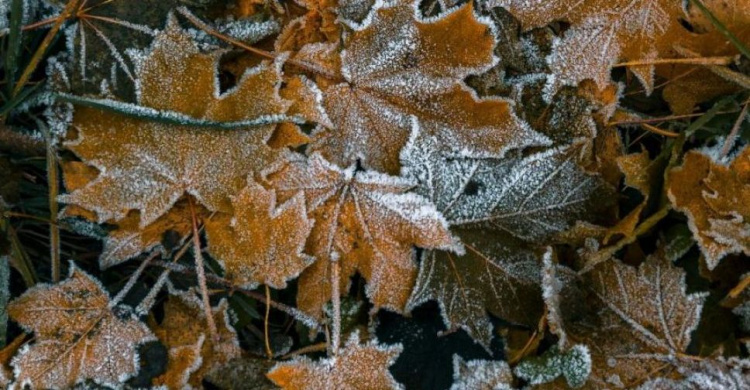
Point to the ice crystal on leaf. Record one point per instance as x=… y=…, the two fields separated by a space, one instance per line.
x=147 y=166
x=78 y=335
x=497 y=208
x=397 y=65
x=481 y=375
x=356 y=366
x=644 y=318
x=261 y=243
x=716 y=199
x=364 y=220
x=192 y=351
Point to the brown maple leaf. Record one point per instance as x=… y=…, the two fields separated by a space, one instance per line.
x=603 y=32
x=192 y=352
x=398 y=66
x=261 y=243
x=641 y=318
x=367 y=222
x=78 y=335
x=356 y=366
x=715 y=195
x=148 y=165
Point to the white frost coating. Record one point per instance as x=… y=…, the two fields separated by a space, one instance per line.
x=531 y=197
x=481 y=375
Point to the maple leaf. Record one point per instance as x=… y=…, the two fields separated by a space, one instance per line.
x=192 y=353
x=78 y=335
x=147 y=165
x=715 y=195
x=125 y=238
x=261 y=243
x=644 y=317
x=481 y=375
x=356 y=366
x=496 y=207
x=397 y=65
x=602 y=32
x=365 y=221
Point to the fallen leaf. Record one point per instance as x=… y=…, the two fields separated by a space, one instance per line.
x=146 y=165
x=78 y=336
x=499 y=209
x=715 y=195
x=366 y=222
x=192 y=352
x=357 y=366
x=262 y=242
x=398 y=66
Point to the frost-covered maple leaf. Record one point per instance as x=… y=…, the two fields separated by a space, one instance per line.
x=125 y=238
x=715 y=195
x=644 y=317
x=396 y=66
x=147 y=165
x=261 y=243
x=603 y=32
x=192 y=352
x=78 y=335
x=497 y=208
x=357 y=366
x=366 y=222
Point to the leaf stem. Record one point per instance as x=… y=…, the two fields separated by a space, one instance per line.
x=729 y=142
x=201 y=271
x=659 y=131
x=336 y=303
x=722 y=60
x=54 y=229
x=269 y=351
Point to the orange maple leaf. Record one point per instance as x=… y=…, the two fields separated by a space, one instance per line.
x=78 y=335
x=398 y=66
x=146 y=165
x=261 y=243
x=355 y=367
x=192 y=352
x=367 y=222
x=716 y=199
